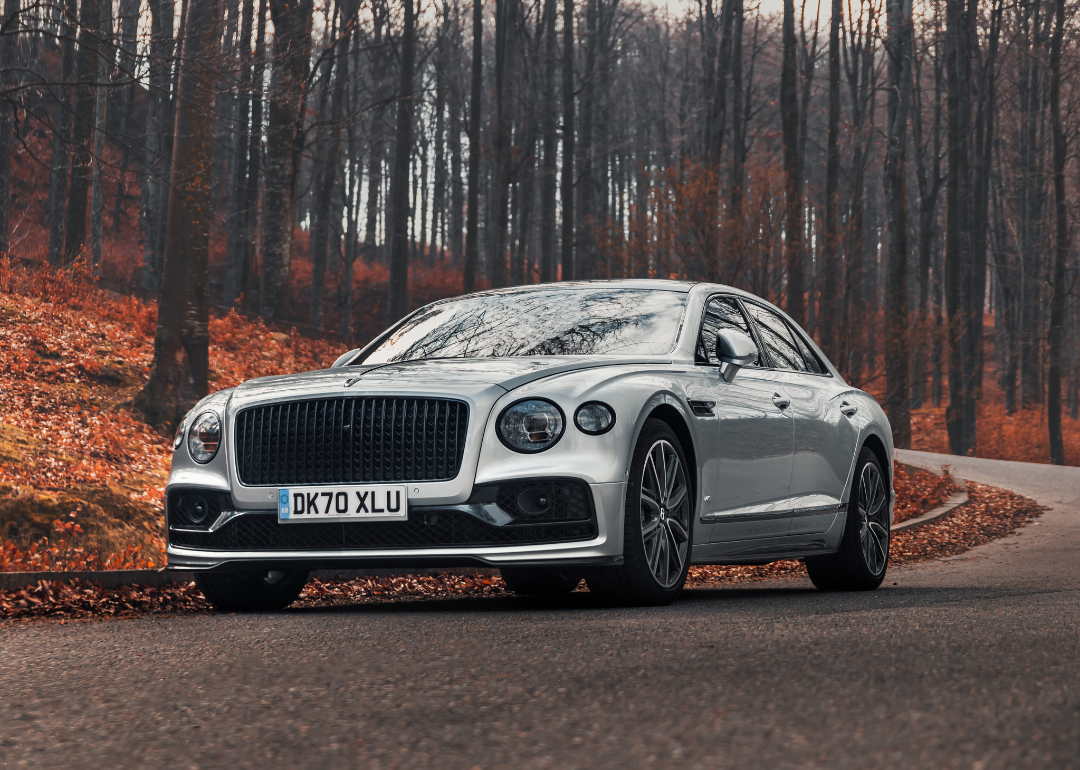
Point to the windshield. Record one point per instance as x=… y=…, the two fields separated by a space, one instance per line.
x=601 y=321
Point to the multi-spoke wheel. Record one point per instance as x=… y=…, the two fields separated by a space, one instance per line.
x=657 y=526
x=860 y=563
x=665 y=513
x=252 y=591
x=873 y=519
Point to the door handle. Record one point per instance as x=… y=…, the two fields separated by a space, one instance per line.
x=848 y=410
x=781 y=401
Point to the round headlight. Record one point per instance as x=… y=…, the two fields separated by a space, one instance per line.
x=594 y=418
x=178 y=439
x=204 y=437
x=532 y=425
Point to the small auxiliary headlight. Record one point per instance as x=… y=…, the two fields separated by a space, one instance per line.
x=532 y=425
x=204 y=437
x=178 y=439
x=594 y=418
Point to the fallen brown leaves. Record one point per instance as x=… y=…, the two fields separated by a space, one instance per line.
x=81 y=599
x=63 y=555
x=329 y=593
x=989 y=514
x=919 y=491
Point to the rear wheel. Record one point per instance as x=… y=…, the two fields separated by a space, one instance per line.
x=863 y=557
x=540 y=581
x=252 y=591
x=657 y=525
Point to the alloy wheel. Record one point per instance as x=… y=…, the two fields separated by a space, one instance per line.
x=873 y=518
x=665 y=514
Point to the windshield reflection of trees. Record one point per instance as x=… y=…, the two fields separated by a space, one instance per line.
x=543 y=323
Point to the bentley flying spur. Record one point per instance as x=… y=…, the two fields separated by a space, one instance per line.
x=612 y=431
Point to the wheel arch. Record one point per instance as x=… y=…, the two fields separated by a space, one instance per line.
x=874 y=443
x=667 y=413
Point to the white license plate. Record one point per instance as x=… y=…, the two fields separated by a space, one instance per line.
x=370 y=502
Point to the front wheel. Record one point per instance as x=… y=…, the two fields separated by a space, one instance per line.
x=861 y=561
x=657 y=525
x=252 y=591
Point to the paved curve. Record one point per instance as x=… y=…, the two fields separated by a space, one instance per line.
x=969 y=663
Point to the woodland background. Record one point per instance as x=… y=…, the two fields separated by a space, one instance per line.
x=901 y=177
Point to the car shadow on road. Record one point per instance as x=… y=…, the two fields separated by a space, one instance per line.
x=788 y=597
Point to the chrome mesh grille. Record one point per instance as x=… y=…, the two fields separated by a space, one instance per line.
x=351 y=441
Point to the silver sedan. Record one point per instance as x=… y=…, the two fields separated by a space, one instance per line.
x=616 y=431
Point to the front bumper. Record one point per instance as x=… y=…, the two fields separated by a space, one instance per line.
x=603 y=549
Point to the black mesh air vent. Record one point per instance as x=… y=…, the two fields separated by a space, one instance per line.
x=351 y=441
x=435 y=529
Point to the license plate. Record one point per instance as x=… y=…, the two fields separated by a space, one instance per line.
x=381 y=502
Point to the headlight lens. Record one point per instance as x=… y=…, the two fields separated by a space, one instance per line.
x=594 y=418
x=178 y=439
x=532 y=425
x=204 y=438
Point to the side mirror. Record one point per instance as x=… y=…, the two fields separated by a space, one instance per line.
x=736 y=350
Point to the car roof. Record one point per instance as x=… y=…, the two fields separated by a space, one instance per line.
x=659 y=284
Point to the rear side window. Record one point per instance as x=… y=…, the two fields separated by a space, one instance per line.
x=720 y=313
x=812 y=363
x=778 y=339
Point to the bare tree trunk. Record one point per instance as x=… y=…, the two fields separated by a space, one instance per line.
x=292 y=45
x=97 y=202
x=472 y=239
x=155 y=185
x=352 y=205
x=1061 y=250
x=82 y=133
x=180 y=370
x=793 y=208
x=61 y=153
x=568 y=143
x=738 y=138
x=8 y=45
x=249 y=274
x=830 y=260
x=453 y=141
x=505 y=17
x=236 y=213
x=548 y=167
x=897 y=355
x=398 y=297
x=929 y=179
x=320 y=238
x=958 y=247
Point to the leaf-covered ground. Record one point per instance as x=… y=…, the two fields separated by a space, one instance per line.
x=71 y=356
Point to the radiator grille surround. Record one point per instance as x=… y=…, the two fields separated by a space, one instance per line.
x=350 y=440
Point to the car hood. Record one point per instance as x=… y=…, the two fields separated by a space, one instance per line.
x=470 y=377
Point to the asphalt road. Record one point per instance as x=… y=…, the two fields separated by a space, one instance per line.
x=973 y=662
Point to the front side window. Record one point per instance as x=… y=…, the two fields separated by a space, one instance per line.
x=720 y=313
x=777 y=337
x=592 y=321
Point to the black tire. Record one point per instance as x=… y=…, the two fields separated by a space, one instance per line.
x=650 y=574
x=540 y=581
x=252 y=591
x=852 y=568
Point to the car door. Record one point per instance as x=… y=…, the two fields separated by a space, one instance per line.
x=825 y=440
x=755 y=437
